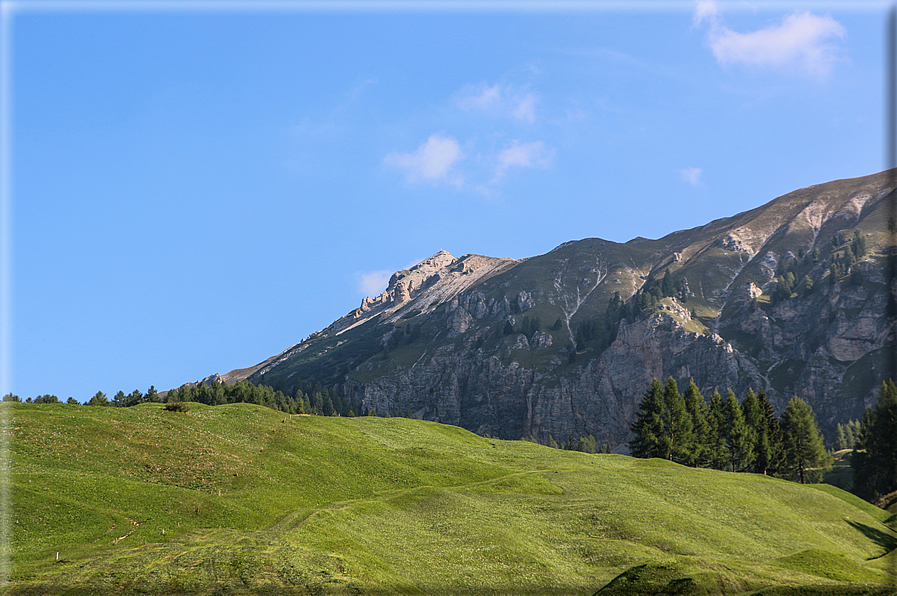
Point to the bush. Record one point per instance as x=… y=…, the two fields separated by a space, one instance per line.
x=176 y=406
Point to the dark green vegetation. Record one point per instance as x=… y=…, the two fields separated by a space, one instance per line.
x=242 y=499
x=875 y=457
x=306 y=398
x=747 y=437
x=801 y=441
x=728 y=435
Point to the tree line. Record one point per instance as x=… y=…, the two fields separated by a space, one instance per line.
x=575 y=442
x=726 y=434
x=306 y=398
x=748 y=437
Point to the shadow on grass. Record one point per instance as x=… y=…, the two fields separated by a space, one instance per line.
x=882 y=539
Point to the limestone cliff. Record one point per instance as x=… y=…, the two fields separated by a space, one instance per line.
x=790 y=297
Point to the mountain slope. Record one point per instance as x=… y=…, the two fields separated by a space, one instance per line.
x=240 y=499
x=776 y=298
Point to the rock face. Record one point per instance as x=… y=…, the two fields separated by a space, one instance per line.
x=785 y=298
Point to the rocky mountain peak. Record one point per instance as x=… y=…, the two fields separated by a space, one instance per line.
x=782 y=298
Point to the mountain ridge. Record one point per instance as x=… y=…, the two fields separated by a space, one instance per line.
x=558 y=344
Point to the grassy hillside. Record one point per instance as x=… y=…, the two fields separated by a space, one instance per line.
x=241 y=499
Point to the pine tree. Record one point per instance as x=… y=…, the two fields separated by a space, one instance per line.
x=678 y=428
x=805 y=455
x=753 y=419
x=697 y=409
x=858 y=247
x=770 y=456
x=666 y=285
x=649 y=426
x=716 y=453
x=875 y=460
x=551 y=442
x=99 y=399
x=737 y=436
x=853 y=432
x=586 y=444
x=841 y=440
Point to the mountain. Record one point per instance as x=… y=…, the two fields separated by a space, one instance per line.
x=790 y=297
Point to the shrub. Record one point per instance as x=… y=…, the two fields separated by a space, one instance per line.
x=176 y=406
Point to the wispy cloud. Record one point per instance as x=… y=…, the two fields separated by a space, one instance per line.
x=705 y=10
x=486 y=98
x=691 y=175
x=373 y=283
x=441 y=159
x=525 y=155
x=526 y=109
x=433 y=161
x=500 y=100
x=801 y=41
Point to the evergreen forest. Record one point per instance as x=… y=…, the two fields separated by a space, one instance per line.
x=747 y=436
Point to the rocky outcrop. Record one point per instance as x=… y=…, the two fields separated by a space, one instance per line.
x=567 y=342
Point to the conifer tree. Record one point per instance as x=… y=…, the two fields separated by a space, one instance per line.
x=737 y=436
x=875 y=458
x=697 y=410
x=853 y=432
x=99 y=399
x=649 y=425
x=840 y=437
x=551 y=442
x=666 y=285
x=585 y=444
x=753 y=419
x=805 y=455
x=770 y=456
x=678 y=428
x=716 y=453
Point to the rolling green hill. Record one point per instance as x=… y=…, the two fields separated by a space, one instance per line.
x=240 y=499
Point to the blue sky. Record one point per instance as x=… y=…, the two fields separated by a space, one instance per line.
x=192 y=191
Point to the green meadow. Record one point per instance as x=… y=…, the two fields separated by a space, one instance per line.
x=240 y=499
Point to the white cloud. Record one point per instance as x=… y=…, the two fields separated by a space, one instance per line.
x=691 y=175
x=373 y=283
x=801 y=41
x=526 y=108
x=488 y=98
x=432 y=161
x=524 y=155
x=498 y=99
x=705 y=9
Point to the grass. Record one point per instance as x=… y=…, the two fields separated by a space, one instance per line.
x=240 y=499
